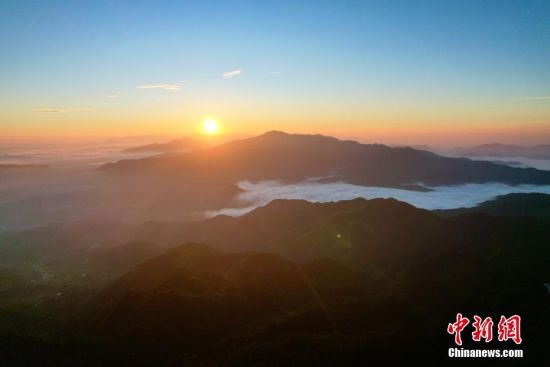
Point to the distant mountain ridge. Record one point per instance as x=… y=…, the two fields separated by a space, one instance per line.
x=541 y=151
x=10 y=166
x=172 y=146
x=293 y=157
x=528 y=205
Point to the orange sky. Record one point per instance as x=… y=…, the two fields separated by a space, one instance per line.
x=440 y=128
x=444 y=73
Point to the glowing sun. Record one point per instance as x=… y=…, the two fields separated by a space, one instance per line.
x=210 y=127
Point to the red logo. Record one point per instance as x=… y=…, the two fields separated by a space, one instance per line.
x=457 y=327
x=483 y=329
x=508 y=328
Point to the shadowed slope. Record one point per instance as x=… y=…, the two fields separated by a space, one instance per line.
x=280 y=156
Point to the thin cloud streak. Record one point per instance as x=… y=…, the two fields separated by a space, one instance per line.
x=49 y=110
x=62 y=110
x=536 y=98
x=162 y=86
x=232 y=74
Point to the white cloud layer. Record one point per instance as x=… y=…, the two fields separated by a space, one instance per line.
x=442 y=197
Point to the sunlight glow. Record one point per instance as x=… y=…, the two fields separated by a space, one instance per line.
x=210 y=127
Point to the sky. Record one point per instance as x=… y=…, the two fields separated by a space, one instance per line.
x=422 y=72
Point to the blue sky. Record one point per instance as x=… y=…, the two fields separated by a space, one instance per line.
x=311 y=64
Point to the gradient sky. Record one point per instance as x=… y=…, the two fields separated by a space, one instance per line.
x=454 y=72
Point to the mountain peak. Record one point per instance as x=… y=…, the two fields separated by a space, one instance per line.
x=275 y=133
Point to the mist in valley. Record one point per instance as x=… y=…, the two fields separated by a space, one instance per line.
x=63 y=184
x=53 y=184
x=256 y=194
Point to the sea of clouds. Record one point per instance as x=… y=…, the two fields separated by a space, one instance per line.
x=441 y=197
x=66 y=155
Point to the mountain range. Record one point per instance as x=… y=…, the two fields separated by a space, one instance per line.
x=293 y=282
x=22 y=167
x=172 y=146
x=526 y=205
x=292 y=157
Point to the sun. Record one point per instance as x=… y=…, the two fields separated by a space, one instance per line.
x=210 y=127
